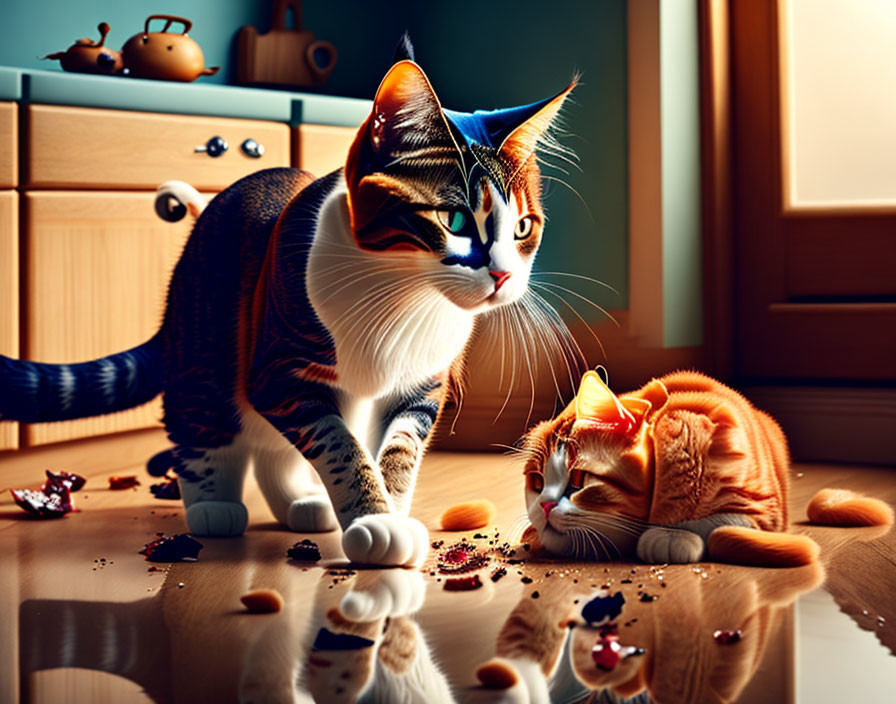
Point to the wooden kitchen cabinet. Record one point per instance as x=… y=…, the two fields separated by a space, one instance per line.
x=98 y=265
x=9 y=296
x=70 y=147
x=321 y=149
x=9 y=145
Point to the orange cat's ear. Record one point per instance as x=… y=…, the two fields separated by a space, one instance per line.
x=638 y=407
x=655 y=392
x=595 y=401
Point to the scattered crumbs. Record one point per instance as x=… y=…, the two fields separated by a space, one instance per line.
x=479 y=536
x=625 y=581
x=461 y=557
x=175 y=548
x=436 y=544
x=535 y=595
x=498 y=573
x=575 y=601
x=262 y=601
x=644 y=596
x=575 y=581
x=526 y=580
x=180 y=585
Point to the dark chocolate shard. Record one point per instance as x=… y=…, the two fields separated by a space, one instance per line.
x=176 y=548
x=304 y=551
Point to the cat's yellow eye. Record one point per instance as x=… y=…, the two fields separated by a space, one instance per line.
x=452 y=220
x=524 y=227
x=576 y=478
x=534 y=482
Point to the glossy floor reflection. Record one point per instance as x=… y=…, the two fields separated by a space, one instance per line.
x=83 y=619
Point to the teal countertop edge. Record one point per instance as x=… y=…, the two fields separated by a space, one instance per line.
x=215 y=100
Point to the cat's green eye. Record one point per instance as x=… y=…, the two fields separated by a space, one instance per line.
x=524 y=227
x=452 y=220
x=534 y=482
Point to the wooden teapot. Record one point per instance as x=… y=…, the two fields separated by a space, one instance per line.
x=165 y=56
x=88 y=56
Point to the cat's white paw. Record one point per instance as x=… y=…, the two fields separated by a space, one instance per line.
x=386 y=539
x=312 y=514
x=659 y=545
x=217 y=519
x=395 y=593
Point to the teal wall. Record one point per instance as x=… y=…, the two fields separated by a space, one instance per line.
x=477 y=54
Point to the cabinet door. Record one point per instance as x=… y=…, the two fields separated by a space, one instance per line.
x=9 y=296
x=96 y=276
x=321 y=149
x=115 y=149
x=9 y=145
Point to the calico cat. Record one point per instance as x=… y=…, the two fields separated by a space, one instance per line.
x=314 y=327
x=680 y=469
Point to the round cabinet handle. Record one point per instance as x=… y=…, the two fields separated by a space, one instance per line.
x=252 y=148
x=216 y=146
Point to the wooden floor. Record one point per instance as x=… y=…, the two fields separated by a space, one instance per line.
x=83 y=620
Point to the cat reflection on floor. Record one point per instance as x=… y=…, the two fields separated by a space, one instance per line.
x=548 y=649
x=360 y=644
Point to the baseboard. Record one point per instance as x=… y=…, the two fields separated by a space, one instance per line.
x=854 y=425
x=24 y=468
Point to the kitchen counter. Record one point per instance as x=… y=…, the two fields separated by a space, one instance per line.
x=120 y=93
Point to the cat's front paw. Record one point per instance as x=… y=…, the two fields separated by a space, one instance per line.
x=217 y=519
x=311 y=514
x=393 y=593
x=386 y=539
x=660 y=545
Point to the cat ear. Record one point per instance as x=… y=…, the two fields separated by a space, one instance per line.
x=656 y=393
x=521 y=143
x=595 y=401
x=638 y=407
x=406 y=116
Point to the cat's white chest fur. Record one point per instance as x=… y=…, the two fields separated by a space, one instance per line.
x=390 y=330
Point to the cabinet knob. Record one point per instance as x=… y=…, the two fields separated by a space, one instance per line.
x=252 y=148
x=216 y=146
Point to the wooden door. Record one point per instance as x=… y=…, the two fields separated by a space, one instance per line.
x=815 y=283
x=96 y=274
x=9 y=296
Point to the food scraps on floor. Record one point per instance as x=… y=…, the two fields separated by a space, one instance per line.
x=125 y=482
x=180 y=547
x=168 y=488
x=304 y=551
x=262 y=601
x=469 y=515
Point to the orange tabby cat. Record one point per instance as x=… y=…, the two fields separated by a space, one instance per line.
x=681 y=469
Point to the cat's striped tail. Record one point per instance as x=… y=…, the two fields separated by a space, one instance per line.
x=35 y=392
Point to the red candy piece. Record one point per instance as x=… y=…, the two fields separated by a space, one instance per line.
x=42 y=505
x=723 y=637
x=73 y=481
x=606 y=654
x=463 y=584
x=119 y=483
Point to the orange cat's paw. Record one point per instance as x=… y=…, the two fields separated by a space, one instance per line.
x=841 y=507
x=660 y=545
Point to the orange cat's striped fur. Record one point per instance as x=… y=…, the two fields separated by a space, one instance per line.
x=681 y=469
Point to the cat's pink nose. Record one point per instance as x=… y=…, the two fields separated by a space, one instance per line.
x=547 y=506
x=500 y=277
